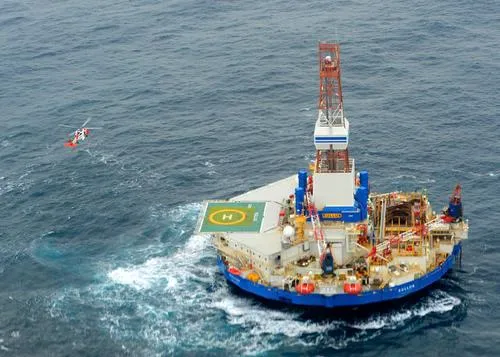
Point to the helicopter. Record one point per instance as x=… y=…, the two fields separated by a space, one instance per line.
x=78 y=135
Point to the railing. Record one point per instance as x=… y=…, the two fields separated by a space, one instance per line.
x=322 y=166
x=404 y=237
x=335 y=117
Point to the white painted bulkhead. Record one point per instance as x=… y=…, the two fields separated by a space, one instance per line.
x=334 y=189
x=299 y=251
x=420 y=262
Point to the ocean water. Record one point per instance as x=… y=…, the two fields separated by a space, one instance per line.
x=207 y=99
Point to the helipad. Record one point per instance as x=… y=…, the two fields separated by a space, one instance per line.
x=233 y=217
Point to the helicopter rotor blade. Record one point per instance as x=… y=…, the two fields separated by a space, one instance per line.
x=93 y=128
x=66 y=126
x=86 y=121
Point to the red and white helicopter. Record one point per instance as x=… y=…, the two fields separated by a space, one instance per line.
x=79 y=135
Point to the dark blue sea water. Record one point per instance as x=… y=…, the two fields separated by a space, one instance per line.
x=207 y=99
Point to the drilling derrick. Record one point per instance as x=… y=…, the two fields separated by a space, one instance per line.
x=334 y=174
x=331 y=135
x=330 y=92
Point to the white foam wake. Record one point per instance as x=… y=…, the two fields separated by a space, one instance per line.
x=262 y=320
x=171 y=271
x=264 y=324
x=437 y=302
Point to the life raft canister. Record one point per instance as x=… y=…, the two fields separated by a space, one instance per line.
x=352 y=288
x=304 y=288
x=234 y=271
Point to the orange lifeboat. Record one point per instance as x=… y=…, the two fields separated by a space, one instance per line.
x=234 y=271
x=352 y=288
x=253 y=276
x=305 y=288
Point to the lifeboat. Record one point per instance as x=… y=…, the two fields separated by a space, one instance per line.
x=253 y=276
x=352 y=288
x=447 y=219
x=234 y=271
x=305 y=288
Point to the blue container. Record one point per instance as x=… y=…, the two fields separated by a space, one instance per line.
x=299 y=200
x=303 y=179
x=363 y=179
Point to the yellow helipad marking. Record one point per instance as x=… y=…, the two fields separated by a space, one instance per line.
x=227 y=214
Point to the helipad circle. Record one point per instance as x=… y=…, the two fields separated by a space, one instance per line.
x=227 y=217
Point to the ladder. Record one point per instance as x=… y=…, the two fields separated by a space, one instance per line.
x=319 y=236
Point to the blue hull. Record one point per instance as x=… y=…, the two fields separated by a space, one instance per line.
x=342 y=300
